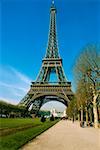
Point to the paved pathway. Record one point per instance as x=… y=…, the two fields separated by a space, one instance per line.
x=66 y=135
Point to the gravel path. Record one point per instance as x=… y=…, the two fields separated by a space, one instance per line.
x=66 y=135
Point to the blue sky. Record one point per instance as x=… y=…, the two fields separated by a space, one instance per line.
x=24 y=26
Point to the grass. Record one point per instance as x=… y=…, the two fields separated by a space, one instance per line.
x=16 y=140
x=9 y=126
x=13 y=123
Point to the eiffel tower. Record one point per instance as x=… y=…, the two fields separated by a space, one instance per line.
x=42 y=90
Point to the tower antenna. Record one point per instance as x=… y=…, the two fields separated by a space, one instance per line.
x=53 y=2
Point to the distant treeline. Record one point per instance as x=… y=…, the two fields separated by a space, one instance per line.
x=11 y=111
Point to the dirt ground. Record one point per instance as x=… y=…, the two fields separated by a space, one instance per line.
x=66 y=135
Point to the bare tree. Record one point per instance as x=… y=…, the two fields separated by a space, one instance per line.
x=87 y=68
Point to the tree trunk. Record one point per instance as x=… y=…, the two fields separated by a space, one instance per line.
x=90 y=114
x=95 y=112
x=86 y=117
x=78 y=116
x=98 y=113
x=81 y=114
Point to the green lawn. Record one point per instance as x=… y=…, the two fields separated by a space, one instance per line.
x=13 y=123
x=14 y=141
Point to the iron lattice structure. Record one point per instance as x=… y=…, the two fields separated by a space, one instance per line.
x=42 y=91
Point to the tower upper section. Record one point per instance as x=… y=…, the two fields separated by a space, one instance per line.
x=52 y=48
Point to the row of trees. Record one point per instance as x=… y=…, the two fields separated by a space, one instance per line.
x=86 y=102
x=11 y=111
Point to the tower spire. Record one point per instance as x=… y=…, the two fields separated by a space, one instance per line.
x=52 y=47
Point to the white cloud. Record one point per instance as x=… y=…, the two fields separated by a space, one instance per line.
x=13 y=84
x=21 y=76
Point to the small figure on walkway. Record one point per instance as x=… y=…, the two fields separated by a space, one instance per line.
x=43 y=119
x=82 y=124
x=52 y=118
x=90 y=124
